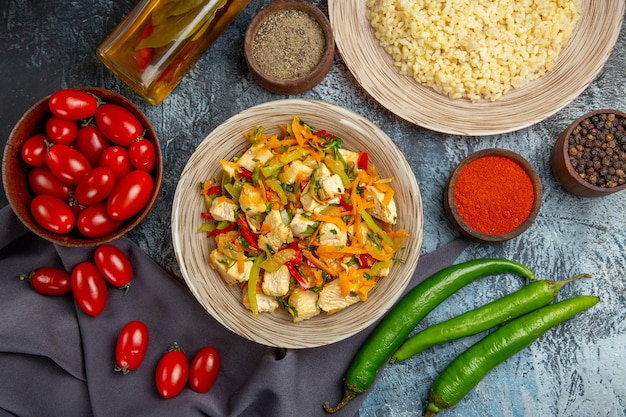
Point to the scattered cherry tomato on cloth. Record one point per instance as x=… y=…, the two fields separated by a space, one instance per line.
x=142 y=154
x=116 y=158
x=89 y=288
x=49 y=281
x=130 y=194
x=114 y=265
x=172 y=372
x=34 y=150
x=95 y=186
x=91 y=143
x=52 y=214
x=72 y=104
x=204 y=369
x=131 y=346
x=94 y=221
x=42 y=181
x=67 y=163
x=119 y=125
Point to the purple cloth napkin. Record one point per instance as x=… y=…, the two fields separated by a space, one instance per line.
x=57 y=361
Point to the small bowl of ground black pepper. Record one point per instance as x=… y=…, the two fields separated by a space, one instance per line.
x=289 y=46
x=493 y=195
x=589 y=157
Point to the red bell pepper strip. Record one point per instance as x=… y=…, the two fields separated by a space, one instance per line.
x=247 y=234
x=346 y=203
x=246 y=173
x=216 y=232
x=297 y=258
x=214 y=190
x=361 y=163
x=296 y=275
x=206 y=215
x=321 y=133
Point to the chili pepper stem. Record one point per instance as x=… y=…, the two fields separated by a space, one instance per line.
x=562 y=283
x=347 y=396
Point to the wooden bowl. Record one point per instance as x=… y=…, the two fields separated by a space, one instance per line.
x=192 y=249
x=563 y=169
x=287 y=86
x=483 y=234
x=15 y=170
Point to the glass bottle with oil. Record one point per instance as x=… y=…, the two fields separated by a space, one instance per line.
x=160 y=40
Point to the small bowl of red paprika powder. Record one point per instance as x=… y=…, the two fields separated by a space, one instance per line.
x=493 y=195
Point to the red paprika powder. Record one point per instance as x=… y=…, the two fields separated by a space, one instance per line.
x=494 y=195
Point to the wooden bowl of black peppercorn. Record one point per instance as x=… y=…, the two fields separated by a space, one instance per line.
x=589 y=157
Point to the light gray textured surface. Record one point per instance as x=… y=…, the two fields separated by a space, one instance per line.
x=578 y=369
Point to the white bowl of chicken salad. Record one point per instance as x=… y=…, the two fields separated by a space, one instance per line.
x=297 y=223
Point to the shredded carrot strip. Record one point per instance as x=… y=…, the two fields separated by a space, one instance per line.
x=331 y=219
x=387 y=191
x=319 y=263
x=297 y=128
x=241 y=258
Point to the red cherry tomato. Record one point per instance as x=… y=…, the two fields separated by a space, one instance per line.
x=116 y=158
x=34 y=150
x=130 y=194
x=72 y=104
x=89 y=288
x=49 y=281
x=91 y=143
x=94 y=221
x=42 y=181
x=114 y=265
x=95 y=186
x=52 y=214
x=172 y=372
x=142 y=154
x=68 y=164
x=61 y=130
x=118 y=124
x=204 y=369
x=131 y=346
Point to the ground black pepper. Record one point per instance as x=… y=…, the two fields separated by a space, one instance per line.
x=289 y=44
x=597 y=150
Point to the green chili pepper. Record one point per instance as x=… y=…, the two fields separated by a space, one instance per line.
x=337 y=167
x=408 y=312
x=471 y=366
x=252 y=281
x=374 y=227
x=275 y=186
x=529 y=298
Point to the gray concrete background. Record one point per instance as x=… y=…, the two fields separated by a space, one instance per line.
x=578 y=369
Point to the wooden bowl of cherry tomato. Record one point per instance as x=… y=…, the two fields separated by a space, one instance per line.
x=82 y=167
